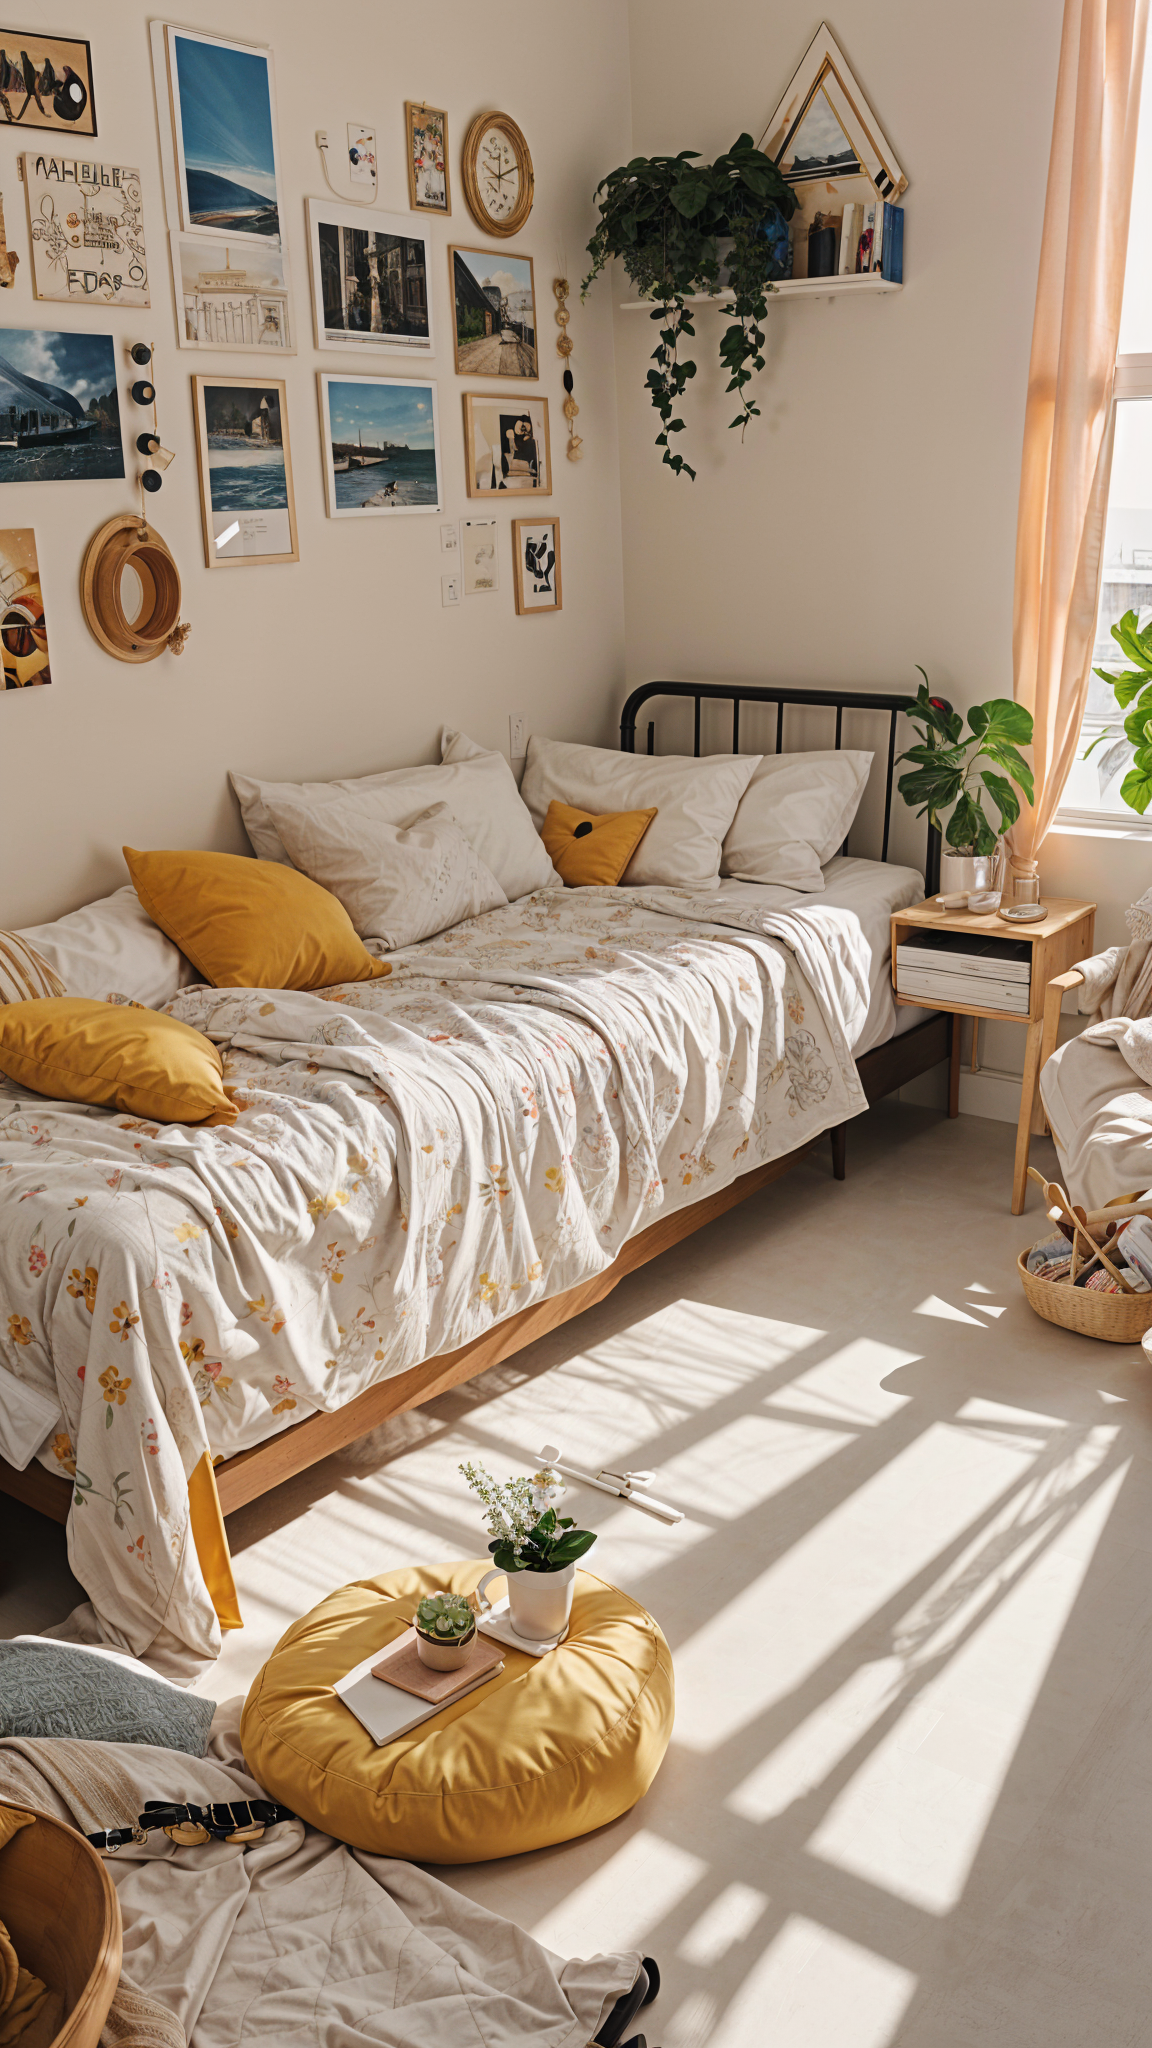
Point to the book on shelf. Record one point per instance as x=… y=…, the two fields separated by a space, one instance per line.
x=966 y=968
x=892 y=244
x=850 y=237
x=401 y=1664
x=387 y=1711
x=863 y=261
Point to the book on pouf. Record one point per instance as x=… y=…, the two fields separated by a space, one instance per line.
x=387 y=1711
x=400 y=1665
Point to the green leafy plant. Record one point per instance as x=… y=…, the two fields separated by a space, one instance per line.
x=946 y=767
x=664 y=216
x=446 y=1617
x=527 y=1534
x=1131 y=737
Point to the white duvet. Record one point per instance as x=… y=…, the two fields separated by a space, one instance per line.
x=416 y=1158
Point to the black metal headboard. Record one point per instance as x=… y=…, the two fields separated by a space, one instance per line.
x=782 y=696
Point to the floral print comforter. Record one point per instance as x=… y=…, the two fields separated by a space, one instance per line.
x=415 y=1159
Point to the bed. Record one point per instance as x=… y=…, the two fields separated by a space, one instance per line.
x=428 y=1173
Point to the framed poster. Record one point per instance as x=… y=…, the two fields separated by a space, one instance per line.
x=493 y=313
x=86 y=230
x=232 y=299
x=536 y=565
x=369 y=281
x=426 y=147
x=46 y=82
x=381 y=446
x=480 y=555
x=223 y=102
x=246 y=497
x=506 y=446
x=59 y=408
x=23 y=629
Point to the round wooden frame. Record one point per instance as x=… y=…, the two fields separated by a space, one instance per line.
x=520 y=151
x=128 y=541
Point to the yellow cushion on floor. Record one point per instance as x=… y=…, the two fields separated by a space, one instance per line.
x=551 y=1748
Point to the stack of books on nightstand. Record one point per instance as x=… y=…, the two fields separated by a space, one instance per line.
x=965 y=969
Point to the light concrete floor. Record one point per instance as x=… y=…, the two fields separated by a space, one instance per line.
x=908 y=1800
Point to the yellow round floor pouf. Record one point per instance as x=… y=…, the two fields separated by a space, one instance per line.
x=551 y=1748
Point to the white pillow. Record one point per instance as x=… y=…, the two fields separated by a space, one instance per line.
x=112 y=948
x=398 y=883
x=480 y=793
x=695 y=803
x=793 y=816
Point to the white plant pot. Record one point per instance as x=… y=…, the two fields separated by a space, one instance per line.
x=972 y=873
x=539 y=1603
x=444 y=1656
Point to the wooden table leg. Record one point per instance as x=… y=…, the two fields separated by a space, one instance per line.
x=1028 y=1093
x=954 y=1070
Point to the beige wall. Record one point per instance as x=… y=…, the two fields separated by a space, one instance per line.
x=868 y=522
x=345 y=662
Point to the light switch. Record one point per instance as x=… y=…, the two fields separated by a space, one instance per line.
x=450 y=589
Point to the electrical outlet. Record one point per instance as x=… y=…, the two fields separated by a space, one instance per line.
x=321 y=138
x=517 y=744
x=450 y=589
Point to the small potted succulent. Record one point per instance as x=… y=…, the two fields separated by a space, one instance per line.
x=445 y=1624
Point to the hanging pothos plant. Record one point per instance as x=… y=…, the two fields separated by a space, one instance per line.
x=665 y=217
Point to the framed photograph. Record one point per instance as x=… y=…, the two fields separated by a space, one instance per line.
x=506 y=446
x=369 y=281
x=223 y=101
x=536 y=565
x=59 y=409
x=426 y=145
x=232 y=299
x=480 y=555
x=46 y=82
x=493 y=313
x=23 y=630
x=246 y=498
x=381 y=446
x=86 y=230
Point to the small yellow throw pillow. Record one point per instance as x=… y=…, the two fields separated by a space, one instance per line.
x=590 y=852
x=117 y=1055
x=251 y=923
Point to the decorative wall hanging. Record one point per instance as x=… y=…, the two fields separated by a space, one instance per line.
x=59 y=407
x=496 y=167
x=564 y=351
x=23 y=630
x=381 y=446
x=8 y=257
x=246 y=497
x=143 y=392
x=480 y=555
x=506 y=446
x=369 y=281
x=536 y=565
x=218 y=153
x=828 y=144
x=86 y=228
x=426 y=147
x=46 y=81
x=130 y=591
x=361 y=163
x=493 y=313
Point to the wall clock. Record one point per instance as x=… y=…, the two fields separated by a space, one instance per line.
x=497 y=171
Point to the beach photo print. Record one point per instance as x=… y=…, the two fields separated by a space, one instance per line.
x=381 y=446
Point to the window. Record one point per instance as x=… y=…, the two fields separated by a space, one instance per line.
x=1092 y=793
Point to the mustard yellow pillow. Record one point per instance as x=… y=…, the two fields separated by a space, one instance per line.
x=250 y=923
x=589 y=851
x=117 y=1055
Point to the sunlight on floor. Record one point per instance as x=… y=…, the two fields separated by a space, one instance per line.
x=631 y=1892
x=814 y=1989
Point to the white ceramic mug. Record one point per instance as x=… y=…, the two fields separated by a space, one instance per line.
x=539 y=1603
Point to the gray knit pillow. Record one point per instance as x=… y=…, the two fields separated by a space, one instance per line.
x=51 y=1688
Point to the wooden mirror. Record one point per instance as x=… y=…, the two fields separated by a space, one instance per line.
x=130 y=591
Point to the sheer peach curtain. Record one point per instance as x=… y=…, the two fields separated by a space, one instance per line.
x=1068 y=419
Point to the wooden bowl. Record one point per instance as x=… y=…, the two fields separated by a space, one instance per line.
x=60 y=1908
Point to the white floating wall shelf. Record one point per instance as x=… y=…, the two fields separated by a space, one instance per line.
x=788 y=288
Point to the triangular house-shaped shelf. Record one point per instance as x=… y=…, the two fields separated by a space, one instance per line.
x=828 y=143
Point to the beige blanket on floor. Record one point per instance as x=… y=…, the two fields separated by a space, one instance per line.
x=296 y=1938
x=1118 y=982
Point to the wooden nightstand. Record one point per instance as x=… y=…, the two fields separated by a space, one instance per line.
x=1063 y=937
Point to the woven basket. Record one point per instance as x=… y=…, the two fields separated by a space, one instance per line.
x=1117 y=1318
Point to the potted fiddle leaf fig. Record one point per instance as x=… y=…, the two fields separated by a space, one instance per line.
x=947 y=772
x=1130 y=737
x=666 y=217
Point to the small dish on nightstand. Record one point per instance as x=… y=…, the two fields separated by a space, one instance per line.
x=983 y=902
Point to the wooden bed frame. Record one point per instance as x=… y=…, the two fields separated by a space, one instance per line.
x=254 y=1472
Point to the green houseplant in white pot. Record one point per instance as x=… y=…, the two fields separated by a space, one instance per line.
x=445 y=1625
x=951 y=767
x=536 y=1549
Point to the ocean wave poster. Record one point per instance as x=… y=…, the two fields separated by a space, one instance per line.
x=246 y=494
x=224 y=118
x=381 y=446
x=59 y=409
